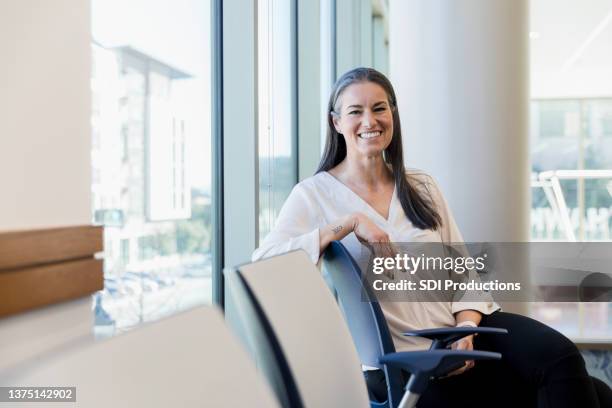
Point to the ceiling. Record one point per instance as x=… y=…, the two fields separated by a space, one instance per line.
x=571 y=48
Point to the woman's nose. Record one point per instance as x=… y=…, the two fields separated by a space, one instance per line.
x=368 y=119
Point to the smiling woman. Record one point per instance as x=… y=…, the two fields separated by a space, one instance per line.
x=363 y=114
x=363 y=195
x=363 y=101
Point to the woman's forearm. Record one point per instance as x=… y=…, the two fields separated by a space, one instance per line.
x=336 y=231
x=468 y=315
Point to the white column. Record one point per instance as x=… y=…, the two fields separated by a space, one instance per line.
x=460 y=70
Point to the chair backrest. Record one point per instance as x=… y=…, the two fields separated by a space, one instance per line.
x=309 y=350
x=187 y=360
x=362 y=313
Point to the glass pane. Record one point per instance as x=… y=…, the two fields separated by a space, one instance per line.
x=572 y=135
x=598 y=135
x=576 y=320
x=546 y=223
x=277 y=159
x=151 y=157
x=380 y=44
x=596 y=213
x=555 y=130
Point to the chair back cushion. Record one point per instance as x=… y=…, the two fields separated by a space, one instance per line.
x=186 y=360
x=309 y=330
x=363 y=315
x=362 y=312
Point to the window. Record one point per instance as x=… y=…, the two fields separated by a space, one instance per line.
x=571 y=152
x=277 y=108
x=380 y=39
x=151 y=157
x=558 y=119
x=570 y=136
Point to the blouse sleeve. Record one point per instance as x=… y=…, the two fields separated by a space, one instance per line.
x=451 y=235
x=297 y=227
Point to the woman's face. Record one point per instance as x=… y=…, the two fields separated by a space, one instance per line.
x=365 y=118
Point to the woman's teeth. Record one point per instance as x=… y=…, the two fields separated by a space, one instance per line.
x=369 y=135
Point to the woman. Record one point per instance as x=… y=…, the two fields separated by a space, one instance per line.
x=362 y=193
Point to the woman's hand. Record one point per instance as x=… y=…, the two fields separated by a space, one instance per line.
x=372 y=236
x=466 y=318
x=336 y=231
x=466 y=343
x=367 y=231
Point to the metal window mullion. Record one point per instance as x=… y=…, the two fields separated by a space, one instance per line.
x=328 y=56
x=297 y=85
x=308 y=72
x=240 y=125
x=217 y=151
x=270 y=31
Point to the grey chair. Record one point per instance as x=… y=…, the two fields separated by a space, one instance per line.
x=187 y=360
x=301 y=342
x=373 y=340
x=296 y=333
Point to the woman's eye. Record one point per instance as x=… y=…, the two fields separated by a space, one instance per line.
x=354 y=112
x=381 y=109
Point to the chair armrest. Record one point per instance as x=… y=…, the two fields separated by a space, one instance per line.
x=432 y=363
x=443 y=337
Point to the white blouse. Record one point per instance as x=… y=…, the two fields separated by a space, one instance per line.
x=322 y=199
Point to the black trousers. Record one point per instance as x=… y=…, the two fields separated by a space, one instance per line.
x=539 y=368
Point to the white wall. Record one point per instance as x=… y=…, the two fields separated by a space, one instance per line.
x=45 y=113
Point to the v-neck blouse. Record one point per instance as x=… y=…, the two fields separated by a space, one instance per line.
x=356 y=196
x=322 y=199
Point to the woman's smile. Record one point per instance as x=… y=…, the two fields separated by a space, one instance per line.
x=370 y=134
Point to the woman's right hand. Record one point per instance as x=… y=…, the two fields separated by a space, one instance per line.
x=367 y=231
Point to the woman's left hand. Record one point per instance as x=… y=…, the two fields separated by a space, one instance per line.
x=465 y=343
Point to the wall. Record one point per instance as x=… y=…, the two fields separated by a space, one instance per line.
x=44 y=151
x=45 y=110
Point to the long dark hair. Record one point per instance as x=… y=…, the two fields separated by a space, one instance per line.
x=419 y=210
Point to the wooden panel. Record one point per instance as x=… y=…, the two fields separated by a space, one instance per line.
x=29 y=288
x=594 y=345
x=36 y=247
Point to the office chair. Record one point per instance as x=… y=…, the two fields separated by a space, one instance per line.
x=301 y=342
x=186 y=360
x=296 y=333
x=373 y=340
